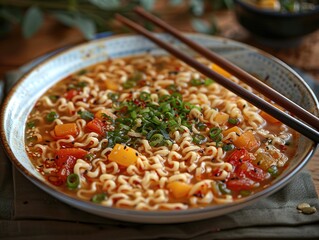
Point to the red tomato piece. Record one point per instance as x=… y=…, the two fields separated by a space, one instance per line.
x=240 y=184
x=96 y=125
x=238 y=157
x=65 y=160
x=247 y=169
x=70 y=94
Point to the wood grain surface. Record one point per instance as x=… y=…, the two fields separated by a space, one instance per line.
x=304 y=54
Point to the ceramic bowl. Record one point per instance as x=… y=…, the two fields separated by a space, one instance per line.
x=25 y=93
x=276 y=25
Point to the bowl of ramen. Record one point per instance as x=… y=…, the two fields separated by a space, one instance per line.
x=119 y=128
x=278 y=19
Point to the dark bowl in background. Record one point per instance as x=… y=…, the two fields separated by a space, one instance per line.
x=276 y=25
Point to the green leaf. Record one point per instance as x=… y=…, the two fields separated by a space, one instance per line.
x=106 y=4
x=203 y=26
x=200 y=25
x=175 y=2
x=65 y=18
x=147 y=4
x=32 y=21
x=86 y=26
x=197 y=7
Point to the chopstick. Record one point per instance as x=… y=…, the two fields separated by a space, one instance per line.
x=230 y=85
x=242 y=75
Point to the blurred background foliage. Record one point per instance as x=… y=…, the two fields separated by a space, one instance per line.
x=95 y=16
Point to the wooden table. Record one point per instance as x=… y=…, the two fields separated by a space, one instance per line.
x=16 y=51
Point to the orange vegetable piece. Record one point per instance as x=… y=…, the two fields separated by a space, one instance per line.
x=246 y=140
x=220 y=70
x=123 y=155
x=111 y=85
x=235 y=129
x=221 y=118
x=63 y=130
x=179 y=189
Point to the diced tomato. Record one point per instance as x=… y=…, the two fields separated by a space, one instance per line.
x=96 y=125
x=238 y=157
x=65 y=160
x=70 y=94
x=247 y=169
x=240 y=184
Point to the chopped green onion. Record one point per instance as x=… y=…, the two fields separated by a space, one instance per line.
x=98 y=198
x=145 y=96
x=208 y=81
x=89 y=156
x=129 y=84
x=51 y=116
x=54 y=98
x=273 y=170
x=223 y=188
x=233 y=121
x=73 y=181
x=31 y=124
x=228 y=147
x=196 y=82
x=199 y=139
x=86 y=115
x=214 y=133
x=113 y=96
x=81 y=72
x=245 y=193
x=156 y=140
x=201 y=126
x=172 y=88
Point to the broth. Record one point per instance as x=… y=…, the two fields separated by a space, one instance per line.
x=151 y=133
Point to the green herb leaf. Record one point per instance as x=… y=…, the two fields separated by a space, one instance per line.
x=147 y=4
x=175 y=2
x=197 y=7
x=86 y=26
x=32 y=21
x=106 y=4
x=86 y=115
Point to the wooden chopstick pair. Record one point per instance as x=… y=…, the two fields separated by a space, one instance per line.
x=309 y=130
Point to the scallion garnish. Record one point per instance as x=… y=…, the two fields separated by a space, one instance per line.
x=199 y=138
x=156 y=140
x=273 y=170
x=86 y=115
x=233 y=121
x=223 y=188
x=98 y=198
x=228 y=147
x=245 y=193
x=51 y=116
x=31 y=124
x=215 y=134
x=73 y=181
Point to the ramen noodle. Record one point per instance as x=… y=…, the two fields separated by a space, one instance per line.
x=151 y=133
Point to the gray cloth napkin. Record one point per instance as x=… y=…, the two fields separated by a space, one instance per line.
x=26 y=212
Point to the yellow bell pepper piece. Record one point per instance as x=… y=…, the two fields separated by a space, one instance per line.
x=179 y=189
x=123 y=155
